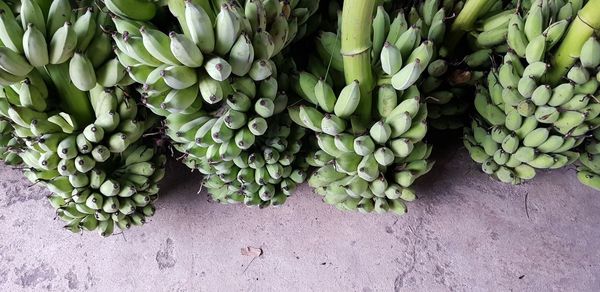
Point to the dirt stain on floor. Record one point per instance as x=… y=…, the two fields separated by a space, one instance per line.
x=31 y=277
x=164 y=256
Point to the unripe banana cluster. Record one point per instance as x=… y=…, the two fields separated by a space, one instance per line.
x=371 y=171
x=44 y=33
x=588 y=172
x=115 y=193
x=266 y=175
x=218 y=85
x=9 y=145
x=407 y=45
x=503 y=154
x=489 y=37
x=450 y=84
x=99 y=175
x=528 y=124
x=562 y=9
x=77 y=130
x=494 y=28
x=231 y=126
x=370 y=166
x=421 y=30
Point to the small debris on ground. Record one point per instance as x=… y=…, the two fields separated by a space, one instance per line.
x=252 y=251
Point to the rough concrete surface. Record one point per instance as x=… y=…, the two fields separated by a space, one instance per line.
x=466 y=233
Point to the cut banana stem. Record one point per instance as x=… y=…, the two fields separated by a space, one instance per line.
x=357 y=17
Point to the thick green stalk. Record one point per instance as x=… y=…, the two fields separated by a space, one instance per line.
x=580 y=30
x=72 y=100
x=464 y=21
x=357 y=18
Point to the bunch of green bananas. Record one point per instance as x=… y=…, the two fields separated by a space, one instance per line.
x=219 y=85
x=369 y=164
x=263 y=176
x=490 y=35
x=558 y=6
x=62 y=95
x=527 y=122
x=588 y=172
x=374 y=170
x=9 y=145
x=450 y=83
x=115 y=193
x=99 y=174
x=50 y=33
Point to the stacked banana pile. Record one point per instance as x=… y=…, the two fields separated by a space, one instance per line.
x=527 y=122
x=9 y=145
x=588 y=172
x=220 y=88
x=370 y=164
x=62 y=96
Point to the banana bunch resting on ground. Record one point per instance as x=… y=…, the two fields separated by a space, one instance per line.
x=78 y=128
x=219 y=85
x=263 y=176
x=100 y=174
x=528 y=122
x=370 y=163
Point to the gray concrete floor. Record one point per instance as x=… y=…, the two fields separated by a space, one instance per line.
x=466 y=233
